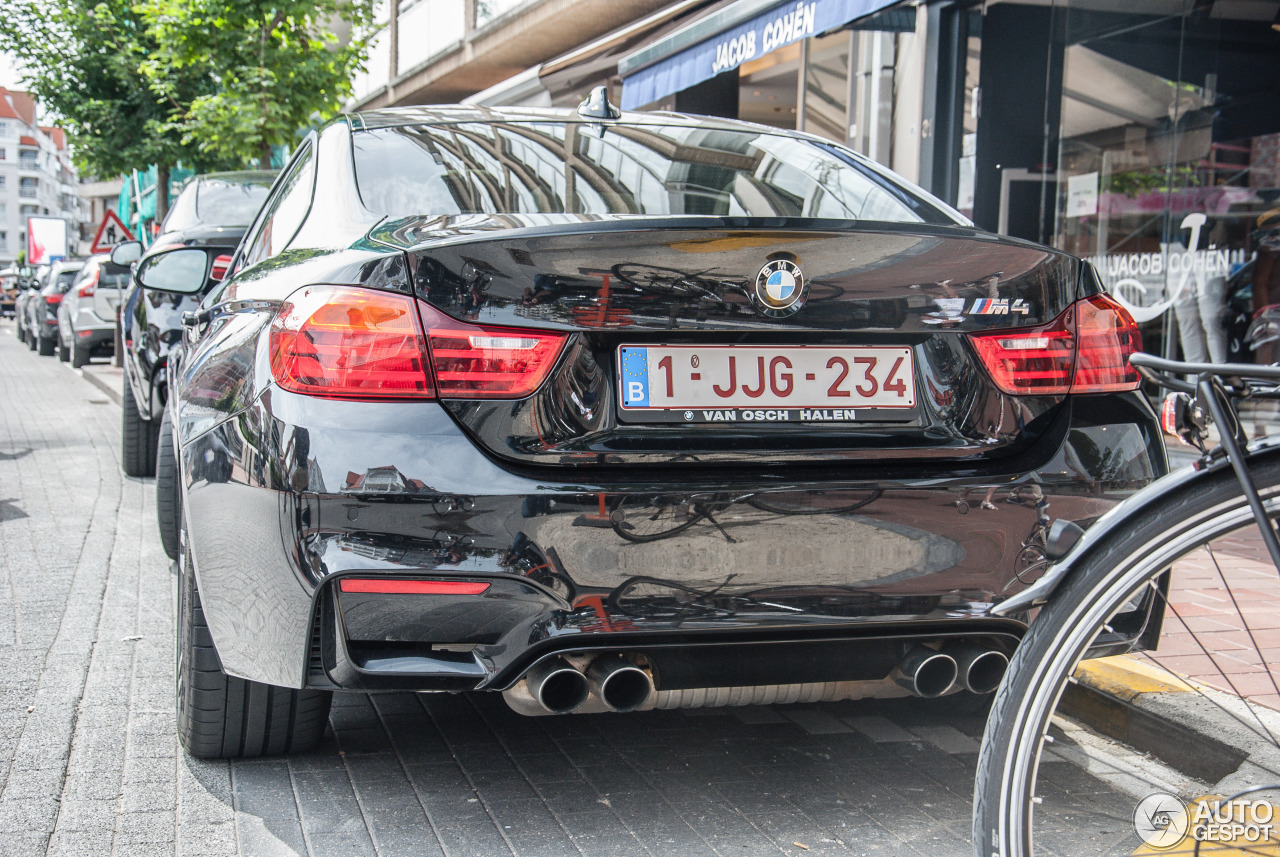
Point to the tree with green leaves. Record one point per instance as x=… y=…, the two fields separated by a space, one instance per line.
x=277 y=66
x=82 y=59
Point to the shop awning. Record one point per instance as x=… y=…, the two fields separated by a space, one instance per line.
x=740 y=32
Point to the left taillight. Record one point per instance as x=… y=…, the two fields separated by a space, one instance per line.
x=349 y=343
x=472 y=361
x=1086 y=349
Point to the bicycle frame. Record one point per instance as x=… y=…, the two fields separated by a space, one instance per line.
x=1234 y=453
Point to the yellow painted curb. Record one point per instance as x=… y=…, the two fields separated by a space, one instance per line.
x=1126 y=678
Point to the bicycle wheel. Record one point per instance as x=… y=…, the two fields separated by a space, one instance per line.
x=1053 y=777
x=648 y=519
x=813 y=502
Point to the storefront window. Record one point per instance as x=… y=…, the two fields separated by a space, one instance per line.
x=768 y=88
x=826 y=87
x=1170 y=171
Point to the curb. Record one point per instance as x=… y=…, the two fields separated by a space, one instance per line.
x=102 y=383
x=1202 y=732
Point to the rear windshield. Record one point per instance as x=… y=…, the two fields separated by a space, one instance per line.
x=217 y=202
x=65 y=279
x=571 y=168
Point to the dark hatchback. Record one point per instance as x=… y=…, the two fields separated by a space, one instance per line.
x=212 y=212
x=621 y=413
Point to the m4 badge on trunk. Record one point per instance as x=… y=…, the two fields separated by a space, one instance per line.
x=780 y=289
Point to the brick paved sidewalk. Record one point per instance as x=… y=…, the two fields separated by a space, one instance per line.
x=1223 y=626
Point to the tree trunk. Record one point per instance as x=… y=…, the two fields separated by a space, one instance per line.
x=162 y=191
x=264 y=160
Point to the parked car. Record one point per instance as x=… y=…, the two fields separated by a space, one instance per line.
x=42 y=307
x=27 y=289
x=612 y=411
x=10 y=285
x=87 y=316
x=211 y=212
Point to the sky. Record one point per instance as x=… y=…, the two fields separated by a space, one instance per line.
x=8 y=74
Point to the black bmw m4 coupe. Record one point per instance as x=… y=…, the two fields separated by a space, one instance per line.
x=612 y=412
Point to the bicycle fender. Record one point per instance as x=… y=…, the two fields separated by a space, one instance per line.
x=1039 y=593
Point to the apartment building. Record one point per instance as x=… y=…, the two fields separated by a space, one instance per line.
x=37 y=177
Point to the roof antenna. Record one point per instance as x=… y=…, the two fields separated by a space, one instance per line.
x=597 y=105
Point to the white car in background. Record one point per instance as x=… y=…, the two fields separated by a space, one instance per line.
x=87 y=315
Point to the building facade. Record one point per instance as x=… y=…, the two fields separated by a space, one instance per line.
x=37 y=177
x=1143 y=135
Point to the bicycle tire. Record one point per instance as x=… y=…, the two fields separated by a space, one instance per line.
x=624 y=519
x=1127 y=562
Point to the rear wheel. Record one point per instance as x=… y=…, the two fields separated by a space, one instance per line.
x=46 y=347
x=168 y=494
x=32 y=338
x=21 y=331
x=138 y=437
x=79 y=356
x=64 y=353
x=223 y=717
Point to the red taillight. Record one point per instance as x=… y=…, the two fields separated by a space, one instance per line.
x=356 y=343
x=86 y=291
x=1086 y=349
x=391 y=586
x=1033 y=360
x=349 y=343
x=1106 y=336
x=220 y=265
x=473 y=361
x=53 y=299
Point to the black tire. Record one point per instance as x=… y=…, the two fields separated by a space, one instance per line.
x=168 y=492
x=138 y=437
x=20 y=332
x=64 y=353
x=223 y=717
x=1081 y=615
x=31 y=340
x=79 y=357
x=47 y=347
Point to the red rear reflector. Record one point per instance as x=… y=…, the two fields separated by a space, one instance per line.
x=53 y=299
x=349 y=343
x=472 y=361
x=392 y=586
x=220 y=266
x=1086 y=349
x=84 y=333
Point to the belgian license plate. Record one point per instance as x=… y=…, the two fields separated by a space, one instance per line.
x=688 y=383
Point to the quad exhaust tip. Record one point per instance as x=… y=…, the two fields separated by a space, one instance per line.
x=557 y=686
x=619 y=683
x=979 y=668
x=927 y=672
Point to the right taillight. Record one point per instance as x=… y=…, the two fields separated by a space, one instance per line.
x=86 y=290
x=1086 y=349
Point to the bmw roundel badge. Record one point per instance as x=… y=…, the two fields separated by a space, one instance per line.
x=780 y=289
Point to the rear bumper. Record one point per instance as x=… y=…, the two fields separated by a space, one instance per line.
x=296 y=494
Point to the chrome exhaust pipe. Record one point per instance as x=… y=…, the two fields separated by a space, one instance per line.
x=557 y=686
x=926 y=672
x=980 y=669
x=619 y=683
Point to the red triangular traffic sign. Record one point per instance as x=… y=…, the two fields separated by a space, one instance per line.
x=111 y=231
